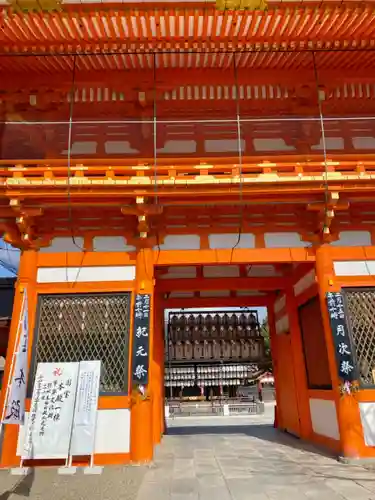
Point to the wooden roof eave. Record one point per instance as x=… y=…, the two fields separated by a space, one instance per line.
x=86 y=29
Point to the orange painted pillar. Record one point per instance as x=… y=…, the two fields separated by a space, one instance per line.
x=162 y=369
x=161 y=366
x=26 y=279
x=347 y=407
x=275 y=361
x=299 y=367
x=141 y=417
x=157 y=376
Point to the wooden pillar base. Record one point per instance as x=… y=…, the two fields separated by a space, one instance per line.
x=141 y=429
x=156 y=403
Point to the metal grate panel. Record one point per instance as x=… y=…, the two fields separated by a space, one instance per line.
x=360 y=305
x=83 y=328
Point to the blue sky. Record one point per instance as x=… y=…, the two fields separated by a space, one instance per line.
x=10 y=257
x=4 y=273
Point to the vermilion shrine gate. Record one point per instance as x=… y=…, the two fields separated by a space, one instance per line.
x=207 y=158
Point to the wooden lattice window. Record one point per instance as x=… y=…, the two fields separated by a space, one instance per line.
x=360 y=308
x=83 y=327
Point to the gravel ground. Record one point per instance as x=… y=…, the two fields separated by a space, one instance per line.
x=45 y=484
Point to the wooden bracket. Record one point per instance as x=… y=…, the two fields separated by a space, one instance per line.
x=143 y=210
x=326 y=215
x=25 y=221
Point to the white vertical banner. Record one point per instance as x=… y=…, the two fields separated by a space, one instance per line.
x=16 y=397
x=50 y=421
x=86 y=409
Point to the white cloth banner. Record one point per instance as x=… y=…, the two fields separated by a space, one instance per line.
x=49 y=425
x=15 y=407
x=86 y=408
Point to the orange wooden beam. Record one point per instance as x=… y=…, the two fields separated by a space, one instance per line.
x=208 y=302
x=141 y=170
x=169 y=78
x=181 y=162
x=197 y=192
x=236 y=256
x=221 y=284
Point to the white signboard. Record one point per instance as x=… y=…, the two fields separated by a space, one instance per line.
x=15 y=407
x=49 y=425
x=85 y=415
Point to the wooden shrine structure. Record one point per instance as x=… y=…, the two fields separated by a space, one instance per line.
x=211 y=355
x=206 y=158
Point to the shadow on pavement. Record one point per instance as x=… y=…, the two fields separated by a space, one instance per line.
x=266 y=432
x=262 y=432
x=22 y=488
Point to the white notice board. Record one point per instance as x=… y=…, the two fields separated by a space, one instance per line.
x=85 y=415
x=49 y=425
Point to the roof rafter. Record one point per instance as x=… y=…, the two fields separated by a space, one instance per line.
x=327 y=27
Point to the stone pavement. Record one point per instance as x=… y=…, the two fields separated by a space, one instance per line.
x=226 y=459
x=213 y=458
